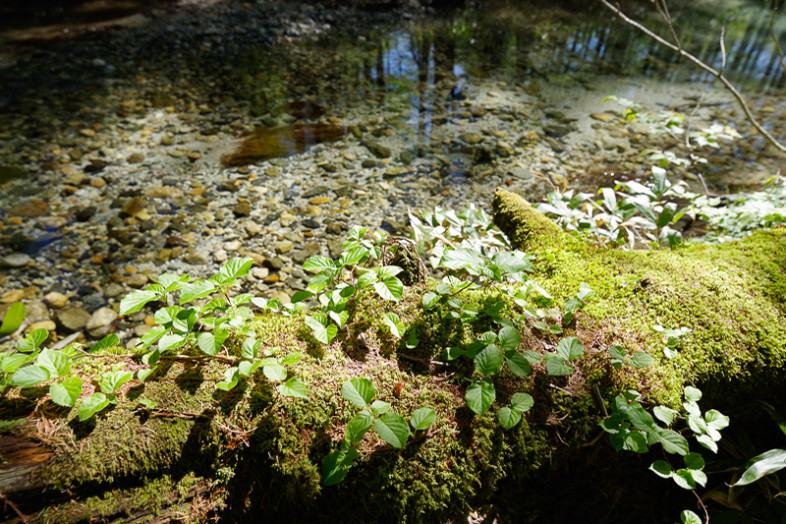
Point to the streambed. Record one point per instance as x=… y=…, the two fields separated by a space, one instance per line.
x=120 y=148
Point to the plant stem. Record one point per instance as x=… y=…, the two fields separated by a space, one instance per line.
x=709 y=69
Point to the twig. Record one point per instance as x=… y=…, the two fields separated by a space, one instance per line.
x=709 y=69
x=703 y=507
x=8 y=502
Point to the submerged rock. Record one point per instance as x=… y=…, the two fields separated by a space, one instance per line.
x=264 y=144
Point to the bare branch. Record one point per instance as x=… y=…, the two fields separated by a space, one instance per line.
x=709 y=69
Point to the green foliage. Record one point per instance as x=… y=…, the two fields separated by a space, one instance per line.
x=335 y=283
x=13 y=318
x=630 y=214
x=208 y=317
x=374 y=414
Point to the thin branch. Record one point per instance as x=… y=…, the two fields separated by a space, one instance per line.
x=703 y=507
x=723 y=49
x=709 y=69
x=14 y=507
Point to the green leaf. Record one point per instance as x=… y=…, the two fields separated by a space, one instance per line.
x=570 y=348
x=522 y=402
x=354 y=255
x=323 y=333
x=108 y=341
x=662 y=469
x=694 y=461
x=171 y=341
x=275 y=372
x=462 y=258
x=236 y=267
x=246 y=367
x=319 y=263
x=112 y=381
x=358 y=427
x=684 y=479
x=55 y=362
x=29 y=376
x=211 y=343
x=250 y=348
x=636 y=441
x=33 y=340
x=359 y=391
x=379 y=407
x=231 y=378
x=689 y=517
x=508 y=417
x=480 y=396
x=640 y=359
x=13 y=318
x=518 y=363
x=430 y=300
x=92 y=405
x=391 y=288
x=762 y=465
x=142 y=374
x=10 y=362
x=136 y=300
x=422 y=418
x=557 y=367
x=585 y=292
x=489 y=361
x=692 y=394
x=665 y=215
x=293 y=388
x=336 y=466
x=393 y=429
x=509 y=338
x=673 y=442
x=292 y=359
x=715 y=419
x=66 y=393
x=300 y=296
x=196 y=290
x=665 y=415
x=707 y=442
x=392 y=321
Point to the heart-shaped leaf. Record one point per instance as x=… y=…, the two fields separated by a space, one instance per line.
x=508 y=417
x=480 y=396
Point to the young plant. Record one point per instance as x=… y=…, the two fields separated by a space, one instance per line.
x=374 y=415
x=336 y=282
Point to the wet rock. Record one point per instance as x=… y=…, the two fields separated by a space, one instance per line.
x=602 y=117
x=15 y=260
x=242 y=209
x=29 y=208
x=55 y=299
x=195 y=259
x=316 y=191
x=95 y=166
x=379 y=150
x=135 y=158
x=274 y=263
x=100 y=323
x=9 y=173
x=220 y=256
x=37 y=311
x=72 y=318
x=283 y=246
x=85 y=213
x=47 y=324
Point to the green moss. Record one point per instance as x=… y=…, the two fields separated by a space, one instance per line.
x=152 y=499
x=730 y=295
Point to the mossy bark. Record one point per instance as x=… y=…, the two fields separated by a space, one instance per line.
x=202 y=453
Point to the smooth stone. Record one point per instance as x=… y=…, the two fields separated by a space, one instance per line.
x=15 y=295
x=379 y=150
x=602 y=117
x=195 y=259
x=29 y=208
x=72 y=318
x=283 y=246
x=242 y=209
x=220 y=256
x=135 y=158
x=55 y=299
x=100 y=323
x=15 y=260
x=48 y=325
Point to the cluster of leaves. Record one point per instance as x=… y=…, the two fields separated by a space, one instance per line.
x=470 y=253
x=375 y=415
x=672 y=338
x=738 y=215
x=630 y=214
x=633 y=428
x=32 y=365
x=336 y=282
x=210 y=317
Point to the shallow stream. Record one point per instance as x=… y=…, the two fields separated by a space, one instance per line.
x=197 y=131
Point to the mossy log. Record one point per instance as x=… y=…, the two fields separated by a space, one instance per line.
x=249 y=454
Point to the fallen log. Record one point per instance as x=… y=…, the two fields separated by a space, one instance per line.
x=194 y=452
